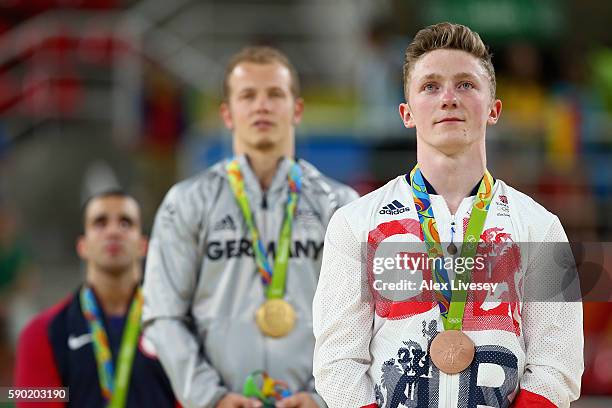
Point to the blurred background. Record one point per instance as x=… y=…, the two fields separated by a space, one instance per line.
x=99 y=93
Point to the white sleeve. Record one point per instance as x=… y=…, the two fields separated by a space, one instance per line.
x=343 y=317
x=553 y=332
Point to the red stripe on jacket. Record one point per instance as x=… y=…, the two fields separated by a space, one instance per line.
x=35 y=365
x=528 y=399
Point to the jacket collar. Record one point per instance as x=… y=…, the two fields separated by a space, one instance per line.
x=252 y=185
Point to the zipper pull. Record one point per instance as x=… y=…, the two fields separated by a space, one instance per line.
x=452 y=248
x=264 y=201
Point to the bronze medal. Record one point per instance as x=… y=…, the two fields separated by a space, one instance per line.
x=275 y=318
x=452 y=351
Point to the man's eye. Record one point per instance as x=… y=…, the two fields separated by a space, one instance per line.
x=429 y=87
x=247 y=96
x=466 y=85
x=125 y=223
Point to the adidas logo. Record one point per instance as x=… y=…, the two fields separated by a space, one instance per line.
x=226 y=223
x=395 y=207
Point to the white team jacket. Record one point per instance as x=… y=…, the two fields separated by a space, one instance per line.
x=372 y=353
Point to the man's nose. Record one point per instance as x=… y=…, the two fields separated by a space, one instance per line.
x=262 y=104
x=449 y=98
x=113 y=229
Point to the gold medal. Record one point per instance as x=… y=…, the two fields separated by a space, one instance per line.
x=275 y=318
x=452 y=351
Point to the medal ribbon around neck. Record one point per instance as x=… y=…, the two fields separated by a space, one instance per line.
x=272 y=278
x=451 y=302
x=114 y=385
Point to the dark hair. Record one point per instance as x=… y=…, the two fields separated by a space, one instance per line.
x=260 y=55
x=114 y=192
x=447 y=36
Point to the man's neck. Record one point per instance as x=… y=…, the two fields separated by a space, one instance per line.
x=265 y=162
x=264 y=165
x=114 y=291
x=453 y=176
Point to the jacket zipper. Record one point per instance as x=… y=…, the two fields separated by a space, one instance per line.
x=452 y=240
x=450 y=378
x=450 y=384
x=264 y=201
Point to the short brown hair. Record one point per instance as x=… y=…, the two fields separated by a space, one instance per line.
x=447 y=36
x=260 y=55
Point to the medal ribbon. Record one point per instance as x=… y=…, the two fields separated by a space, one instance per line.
x=114 y=387
x=451 y=302
x=273 y=278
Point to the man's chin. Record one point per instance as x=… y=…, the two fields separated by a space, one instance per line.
x=452 y=141
x=264 y=145
x=116 y=268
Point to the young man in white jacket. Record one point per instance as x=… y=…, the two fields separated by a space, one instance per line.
x=436 y=349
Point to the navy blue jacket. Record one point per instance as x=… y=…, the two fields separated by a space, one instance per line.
x=55 y=350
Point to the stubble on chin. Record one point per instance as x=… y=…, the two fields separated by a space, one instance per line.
x=264 y=145
x=115 y=269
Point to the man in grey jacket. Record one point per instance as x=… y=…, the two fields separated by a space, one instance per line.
x=235 y=252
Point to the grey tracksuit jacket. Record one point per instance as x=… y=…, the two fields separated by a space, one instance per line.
x=202 y=289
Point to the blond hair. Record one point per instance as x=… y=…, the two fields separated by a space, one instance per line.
x=447 y=36
x=260 y=55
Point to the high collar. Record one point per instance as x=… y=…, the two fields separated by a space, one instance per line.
x=252 y=184
x=432 y=191
x=100 y=304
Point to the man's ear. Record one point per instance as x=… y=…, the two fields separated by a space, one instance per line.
x=494 y=112
x=81 y=247
x=406 y=115
x=226 y=116
x=144 y=246
x=298 y=111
